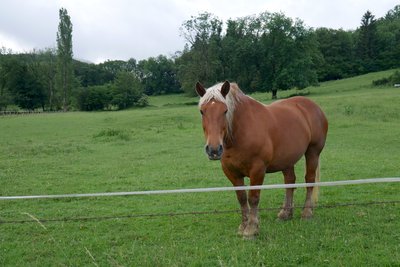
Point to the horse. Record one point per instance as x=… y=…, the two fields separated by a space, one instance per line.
x=251 y=139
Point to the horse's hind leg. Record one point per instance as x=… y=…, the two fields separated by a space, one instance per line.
x=286 y=212
x=312 y=161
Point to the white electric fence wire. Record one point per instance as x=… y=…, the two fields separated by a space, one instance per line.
x=212 y=189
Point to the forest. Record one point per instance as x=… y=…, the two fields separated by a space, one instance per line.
x=267 y=52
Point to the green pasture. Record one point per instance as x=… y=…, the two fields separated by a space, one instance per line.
x=161 y=147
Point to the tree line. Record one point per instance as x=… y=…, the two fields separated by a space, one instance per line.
x=270 y=52
x=265 y=52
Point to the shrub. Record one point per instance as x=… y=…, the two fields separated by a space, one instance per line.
x=381 y=82
x=388 y=81
x=143 y=101
x=95 y=98
x=128 y=90
x=124 y=93
x=395 y=78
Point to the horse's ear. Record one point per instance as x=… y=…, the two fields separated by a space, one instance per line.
x=225 y=88
x=200 y=89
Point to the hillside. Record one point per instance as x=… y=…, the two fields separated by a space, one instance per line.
x=354 y=84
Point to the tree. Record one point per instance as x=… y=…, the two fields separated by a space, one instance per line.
x=289 y=53
x=48 y=68
x=43 y=65
x=159 y=76
x=116 y=66
x=96 y=97
x=64 y=57
x=26 y=89
x=128 y=90
x=388 y=31
x=5 y=95
x=202 y=60
x=242 y=53
x=268 y=51
x=89 y=74
x=367 y=46
x=337 y=49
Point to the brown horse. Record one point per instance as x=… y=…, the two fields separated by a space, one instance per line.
x=252 y=139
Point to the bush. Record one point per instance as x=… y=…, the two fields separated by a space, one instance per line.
x=127 y=90
x=143 y=101
x=395 y=78
x=381 y=82
x=388 y=81
x=95 y=98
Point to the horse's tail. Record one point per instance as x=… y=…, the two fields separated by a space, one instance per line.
x=315 y=192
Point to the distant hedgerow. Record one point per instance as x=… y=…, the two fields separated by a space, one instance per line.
x=388 y=81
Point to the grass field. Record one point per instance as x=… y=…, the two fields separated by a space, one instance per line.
x=161 y=147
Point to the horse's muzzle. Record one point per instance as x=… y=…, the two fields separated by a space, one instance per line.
x=214 y=153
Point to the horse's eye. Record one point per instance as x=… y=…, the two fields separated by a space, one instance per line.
x=201 y=112
x=226 y=111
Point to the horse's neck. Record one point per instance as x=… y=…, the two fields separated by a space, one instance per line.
x=244 y=107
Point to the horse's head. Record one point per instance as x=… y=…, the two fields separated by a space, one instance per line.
x=213 y=110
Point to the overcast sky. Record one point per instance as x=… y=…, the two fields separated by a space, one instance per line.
x=123 y=29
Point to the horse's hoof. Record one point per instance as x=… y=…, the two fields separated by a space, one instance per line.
x=307 y=214
x=285 y=214
x=250 y=231
x=242 y=226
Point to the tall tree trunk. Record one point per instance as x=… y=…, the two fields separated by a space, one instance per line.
x=64 y=54
x=274 y=93
x=65 y=104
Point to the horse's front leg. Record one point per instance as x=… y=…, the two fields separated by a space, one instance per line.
x=241 y=195
x=252 y=228
x=242 y=198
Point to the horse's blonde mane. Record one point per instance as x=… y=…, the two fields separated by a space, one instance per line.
x=231 y=100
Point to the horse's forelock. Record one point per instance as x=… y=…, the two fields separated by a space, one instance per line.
x=232 y=98
x=212 y=93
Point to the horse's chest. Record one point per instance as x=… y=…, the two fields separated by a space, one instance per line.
x=239 y=162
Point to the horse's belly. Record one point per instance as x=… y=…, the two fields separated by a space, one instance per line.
x=282 y=165
x=276 y=167
x=282 y=160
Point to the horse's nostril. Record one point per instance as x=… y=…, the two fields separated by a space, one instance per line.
x=214 y=152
